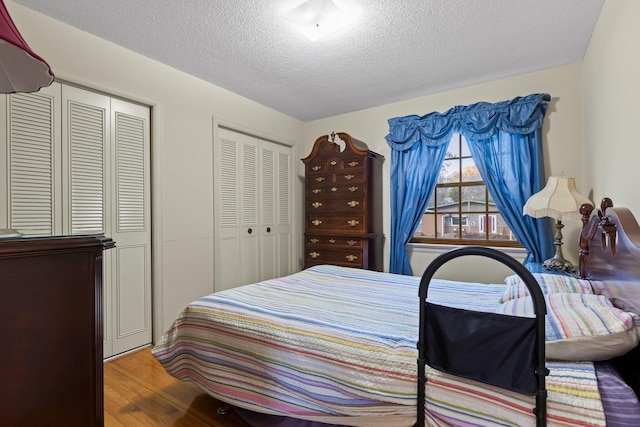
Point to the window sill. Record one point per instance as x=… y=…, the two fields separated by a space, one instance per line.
x=472 y=269
x=431 y=248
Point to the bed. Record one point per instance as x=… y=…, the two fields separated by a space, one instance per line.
x=337 y=346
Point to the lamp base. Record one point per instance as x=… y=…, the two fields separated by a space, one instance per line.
x=559 y=264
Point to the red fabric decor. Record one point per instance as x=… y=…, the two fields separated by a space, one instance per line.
x=21 y=70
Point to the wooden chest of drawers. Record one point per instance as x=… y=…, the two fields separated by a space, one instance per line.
x=51 y=358
x=343 y=204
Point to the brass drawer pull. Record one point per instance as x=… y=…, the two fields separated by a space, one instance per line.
x=354 y=164
x=353 y=222
x=351 y=242
x=351 y=258
x=349 y=177
x=316 y=190
x=314 y=255
x=334 y=162
x=316 y=168
x=332 y=240
x=320 y=178
x=353 y=189
x=316 y=222
x=314 y=240
x=316 y=204
x=353 y=203
x=334 y=189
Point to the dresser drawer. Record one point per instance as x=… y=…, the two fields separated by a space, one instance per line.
x=333 y=190
x=348 y=257
x=348 y=177
x=325 y=205
x=321 y=180
x=350 y=223
x=334 y=242
x=355 y=164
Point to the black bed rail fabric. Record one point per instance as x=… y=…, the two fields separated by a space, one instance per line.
x=495 y=349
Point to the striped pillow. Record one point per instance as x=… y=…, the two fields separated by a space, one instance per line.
x=624 y=294
x=581 y=326
x=549 y=284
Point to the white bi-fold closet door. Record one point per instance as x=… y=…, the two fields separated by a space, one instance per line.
x=253 y=209
x=77 y=162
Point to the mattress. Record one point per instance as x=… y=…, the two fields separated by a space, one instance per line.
x=338 y=345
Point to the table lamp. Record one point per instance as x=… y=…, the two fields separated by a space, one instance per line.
x=560 y=200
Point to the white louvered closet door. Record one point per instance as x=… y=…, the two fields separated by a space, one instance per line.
x=253 y=206
x=130 y=226
x=30 y=148
x=248 y=208
x=86 y=164
x=227 y=243
x=237 y=244
x=275 y=221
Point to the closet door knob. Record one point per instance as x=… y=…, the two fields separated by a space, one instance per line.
x=250 y=231
x=268 y=229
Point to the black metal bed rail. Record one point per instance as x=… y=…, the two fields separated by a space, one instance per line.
x=469 y=343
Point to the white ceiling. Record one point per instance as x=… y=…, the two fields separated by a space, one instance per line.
x=399 y=49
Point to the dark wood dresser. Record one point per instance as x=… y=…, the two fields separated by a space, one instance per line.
x=343 y=204
x=51 y=342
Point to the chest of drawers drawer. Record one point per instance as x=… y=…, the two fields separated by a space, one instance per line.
x=330 y=242
x=336 y=190
x=323 y=205
x=352 y=223
x=350 y=257
x=343 y=178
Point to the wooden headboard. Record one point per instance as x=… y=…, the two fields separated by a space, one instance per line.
x=609 y=243
x=610 y=250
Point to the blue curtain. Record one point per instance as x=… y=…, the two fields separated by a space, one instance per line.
x=505 y=141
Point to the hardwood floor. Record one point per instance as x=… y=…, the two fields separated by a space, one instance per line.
x=139 y=392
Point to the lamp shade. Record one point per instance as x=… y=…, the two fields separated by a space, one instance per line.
x=559 y=199
x=21 y=70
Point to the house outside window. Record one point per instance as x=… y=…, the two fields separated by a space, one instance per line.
x=461 y=211
x=491 y=222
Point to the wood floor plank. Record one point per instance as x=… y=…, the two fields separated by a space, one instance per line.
x=139 y=392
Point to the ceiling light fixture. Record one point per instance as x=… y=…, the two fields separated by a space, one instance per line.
x=320 y=18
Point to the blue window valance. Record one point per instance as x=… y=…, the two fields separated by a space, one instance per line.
x=522 y=115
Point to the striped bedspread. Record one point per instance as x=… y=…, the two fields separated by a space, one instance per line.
x=338 y=345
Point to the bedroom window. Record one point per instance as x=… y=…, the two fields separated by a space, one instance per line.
x=461 y=211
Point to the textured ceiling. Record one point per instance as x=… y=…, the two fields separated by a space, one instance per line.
x=398 y=49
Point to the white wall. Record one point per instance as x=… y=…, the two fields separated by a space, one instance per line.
x=182 y=133
x=611 y=108
x=563 y=141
